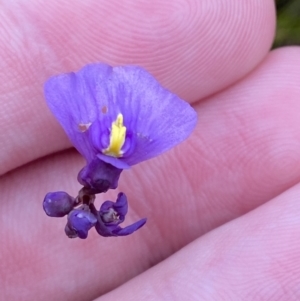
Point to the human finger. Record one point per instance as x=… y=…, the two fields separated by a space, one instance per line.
x=254 y=257
x=185 y=192
x=194 y=48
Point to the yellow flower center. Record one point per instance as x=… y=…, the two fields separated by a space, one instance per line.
x=117 y=138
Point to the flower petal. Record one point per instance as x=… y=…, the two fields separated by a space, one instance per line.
x=129 y=229
x=121 y=205
x=154 y=118
x=104 y=229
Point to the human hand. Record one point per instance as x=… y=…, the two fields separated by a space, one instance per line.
x=243 y=153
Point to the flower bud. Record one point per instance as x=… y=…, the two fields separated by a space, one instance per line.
x=58 y=204
x=79 y=223
x=98 y=176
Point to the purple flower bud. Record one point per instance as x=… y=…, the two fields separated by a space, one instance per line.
x=58 y=204
x=80 y=221
x=98 y=176
x=111 y=215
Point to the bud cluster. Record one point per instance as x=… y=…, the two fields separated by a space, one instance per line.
x=97 y=177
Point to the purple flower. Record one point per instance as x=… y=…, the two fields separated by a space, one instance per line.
x=111 y=215
x=115 y=117
x=121 y=115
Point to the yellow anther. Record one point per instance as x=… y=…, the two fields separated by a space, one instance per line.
x=117 y=138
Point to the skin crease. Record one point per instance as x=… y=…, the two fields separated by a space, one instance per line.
x=223 y=225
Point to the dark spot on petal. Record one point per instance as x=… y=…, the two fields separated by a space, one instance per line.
x=104 y=109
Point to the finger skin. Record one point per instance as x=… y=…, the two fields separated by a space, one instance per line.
x=194 y=48
x=245 y=150
x=254 y=257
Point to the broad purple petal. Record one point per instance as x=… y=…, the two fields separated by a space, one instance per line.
x=86 y=104
x=117 y=162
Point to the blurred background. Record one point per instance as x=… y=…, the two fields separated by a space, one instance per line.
x=288 y=23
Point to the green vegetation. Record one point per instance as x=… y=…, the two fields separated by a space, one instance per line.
x=288 y=23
